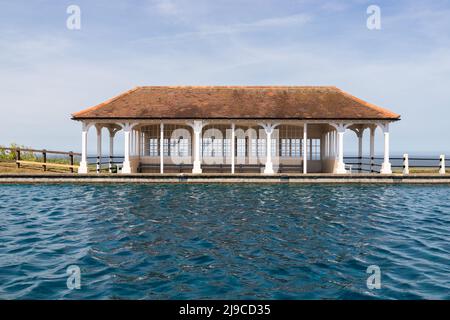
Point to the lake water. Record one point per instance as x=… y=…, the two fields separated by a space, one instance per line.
x=224 y=241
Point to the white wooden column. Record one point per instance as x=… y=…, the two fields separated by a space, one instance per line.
x=310 y=149
x=359 y=131
x=134 y=143
x=248 y=146
x=332 y=145
x=328 y=145
x=340 y=130
x=146 y=144
x=340 y=144
x=99 y=148
x=269 y=165
x=335 y=143
x=322 y=146
x=131 y=142
x=161 y=148
x=332 y=154
x=372 y=146
x=139 y=147
x=386 y=165
x=360 y=144
x=233 y=146
x=111 y=144
x=197 y=125
x=137 y=139
x=83 y=168
x=112 y=133
x=268 y=128
x=305 y=148
x=126 y=167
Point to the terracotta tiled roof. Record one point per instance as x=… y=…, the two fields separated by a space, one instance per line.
x=235 y=102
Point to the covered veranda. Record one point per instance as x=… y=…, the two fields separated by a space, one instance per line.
x=201 y=146
x=229 y=141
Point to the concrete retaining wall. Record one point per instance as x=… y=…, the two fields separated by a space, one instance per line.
x=225 y=178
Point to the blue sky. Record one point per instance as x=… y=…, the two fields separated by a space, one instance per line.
x=47 y=71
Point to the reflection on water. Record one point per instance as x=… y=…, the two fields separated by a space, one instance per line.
x=224 y=241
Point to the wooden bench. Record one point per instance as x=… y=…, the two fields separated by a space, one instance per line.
x=167 y=167
x=47 y=164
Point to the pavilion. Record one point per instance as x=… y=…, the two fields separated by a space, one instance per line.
x=211 y=129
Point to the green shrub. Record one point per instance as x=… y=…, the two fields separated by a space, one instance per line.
x=7 y=155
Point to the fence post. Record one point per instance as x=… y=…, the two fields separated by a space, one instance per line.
x=18 y=157
x=71 y=161
x=442 y=164
x=371 y=164
x=98 y=164
x=44 y=159
x=360 y=164
x=405 y=164
x=110 y=164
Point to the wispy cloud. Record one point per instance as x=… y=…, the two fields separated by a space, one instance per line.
x=285 y=21
x=17 y=49
x=422 y=22
x=292 y=21
x=335 y=6
x=166 y=7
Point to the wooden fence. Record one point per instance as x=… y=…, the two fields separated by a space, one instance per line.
x=44 y=163
x=405 y=163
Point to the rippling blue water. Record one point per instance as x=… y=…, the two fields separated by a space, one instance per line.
x=224 y=241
